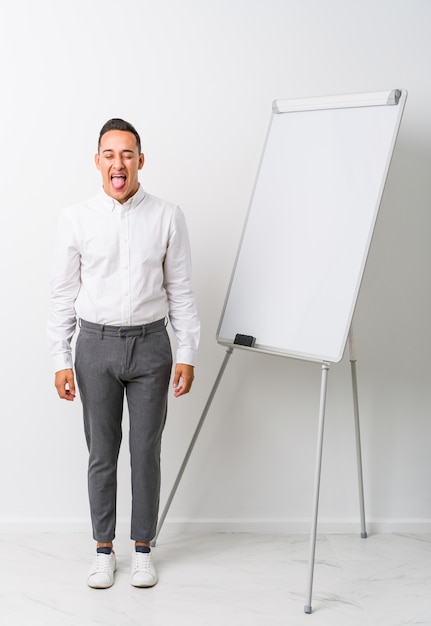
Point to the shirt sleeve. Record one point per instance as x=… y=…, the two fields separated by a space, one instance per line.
x=65 y=285
x=178 y=285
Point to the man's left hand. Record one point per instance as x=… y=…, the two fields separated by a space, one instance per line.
x=183 y=379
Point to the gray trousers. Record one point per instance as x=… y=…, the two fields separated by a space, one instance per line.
x=111 y=362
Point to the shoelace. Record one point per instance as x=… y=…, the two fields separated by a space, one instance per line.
x=102 y=563
x=142 y=562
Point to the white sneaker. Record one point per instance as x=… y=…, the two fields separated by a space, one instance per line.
x=101 y=574
x=143 y=572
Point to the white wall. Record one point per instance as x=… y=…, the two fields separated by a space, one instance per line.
x=198 y=79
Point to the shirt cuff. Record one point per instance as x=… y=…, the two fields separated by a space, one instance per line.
x=63 y=361
x=186 y=355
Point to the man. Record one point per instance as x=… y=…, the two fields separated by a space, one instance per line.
x=121 y=268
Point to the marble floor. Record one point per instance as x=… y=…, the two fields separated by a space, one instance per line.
x=220 y=580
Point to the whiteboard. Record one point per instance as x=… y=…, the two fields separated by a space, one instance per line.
x=309 y=226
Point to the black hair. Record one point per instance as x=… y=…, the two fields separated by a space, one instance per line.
x=118 y=124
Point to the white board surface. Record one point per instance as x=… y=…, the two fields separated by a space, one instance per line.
x=310 y=222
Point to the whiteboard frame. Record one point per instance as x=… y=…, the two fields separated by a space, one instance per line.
x=393 y=97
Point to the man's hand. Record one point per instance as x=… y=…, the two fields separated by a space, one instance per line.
x=183 y=378
x=65 y=384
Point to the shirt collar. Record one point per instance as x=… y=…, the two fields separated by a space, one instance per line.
x=110 y=203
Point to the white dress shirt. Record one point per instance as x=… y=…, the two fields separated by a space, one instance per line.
x=122 y=265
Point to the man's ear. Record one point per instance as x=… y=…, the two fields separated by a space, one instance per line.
x=97 y=160
x=141 y=161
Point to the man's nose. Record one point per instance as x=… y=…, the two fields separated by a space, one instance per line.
x=118 y=163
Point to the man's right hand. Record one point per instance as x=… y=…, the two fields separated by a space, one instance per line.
x=65 y=384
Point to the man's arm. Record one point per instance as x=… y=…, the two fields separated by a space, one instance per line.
x=182 y=307
x=61 y=323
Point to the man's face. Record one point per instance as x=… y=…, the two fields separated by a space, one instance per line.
x=119 y=161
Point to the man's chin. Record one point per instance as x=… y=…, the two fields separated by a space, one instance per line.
x=119 y=195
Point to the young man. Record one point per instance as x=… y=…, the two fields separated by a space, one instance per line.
x=121 y=268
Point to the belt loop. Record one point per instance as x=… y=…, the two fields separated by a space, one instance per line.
x=79 y=322
x=103 y=330
x=143 y=331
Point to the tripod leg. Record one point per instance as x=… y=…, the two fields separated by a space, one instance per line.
x=325 y=369
x=191 y=445
x=357 y=433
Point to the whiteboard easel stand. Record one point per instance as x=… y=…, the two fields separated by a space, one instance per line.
x=321 y=423
x=343 y=144
x=322 y=406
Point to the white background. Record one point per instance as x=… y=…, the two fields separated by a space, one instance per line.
x=198 y=79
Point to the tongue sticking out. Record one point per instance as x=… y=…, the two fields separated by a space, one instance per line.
x=118 y=182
